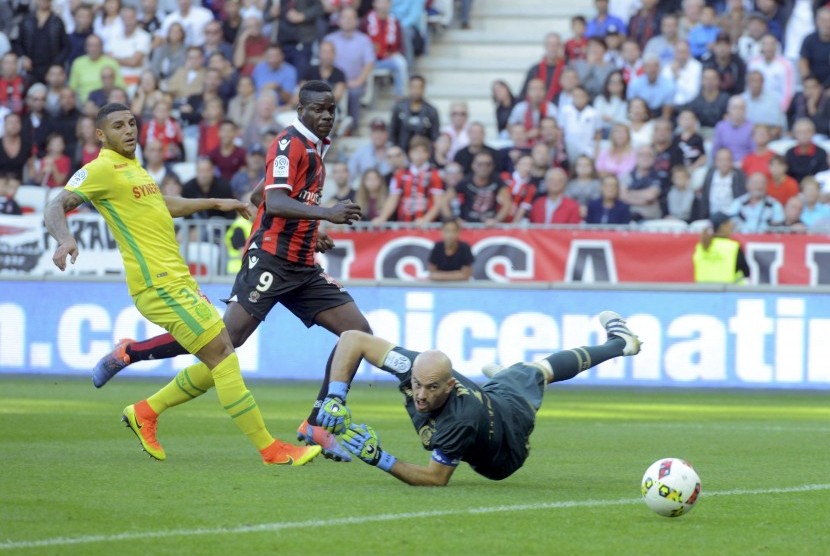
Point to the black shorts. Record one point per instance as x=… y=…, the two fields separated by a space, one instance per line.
x=265 y=280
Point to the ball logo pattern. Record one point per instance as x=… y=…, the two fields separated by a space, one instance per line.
x=670 y=487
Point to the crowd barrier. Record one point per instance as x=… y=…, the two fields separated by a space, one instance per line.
x=753 y=337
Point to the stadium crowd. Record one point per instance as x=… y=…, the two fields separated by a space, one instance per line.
x=650 y=110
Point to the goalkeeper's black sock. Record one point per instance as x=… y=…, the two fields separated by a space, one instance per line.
x=324 y=389
x=569 y=363
x=160 y=347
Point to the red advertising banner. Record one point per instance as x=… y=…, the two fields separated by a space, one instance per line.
x=568 y=255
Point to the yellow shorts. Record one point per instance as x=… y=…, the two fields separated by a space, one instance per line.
x=182 y=309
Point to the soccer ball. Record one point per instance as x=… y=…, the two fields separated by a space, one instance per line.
x=671 y=487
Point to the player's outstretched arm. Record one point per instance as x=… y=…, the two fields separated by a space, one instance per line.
x=179 y=206
x=363 y=442
x=279 y=203
x=55 y=220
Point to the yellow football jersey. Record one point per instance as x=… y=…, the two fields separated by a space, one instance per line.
x=133 y=207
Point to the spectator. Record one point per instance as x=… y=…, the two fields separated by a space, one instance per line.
x=37 y=122
x=568 y=81
x=212 y=116
x=552 y=137
x=414 y=116
x=749 y=44
x=85 y=75
x=297 y=31
x=711 y=104
x=242 y=106
x=815 y=213
x=466 y=156
x=99 y=96
x=504 y=101
x=171 y=185
x=685 y=71
x=717 y=257
x=690 y=15
x=207 y=185
x=42 y=41
x=729 y=67
x=656 y=90
x=805 y=158
x=776 y=16
x=146 y=96
x=613 y=45
x=721 y=185
x=164 y=129
x=343 y=184
x=643 y=187
x=410 y=14
x=689 y=141
x=151 y=18
x=355 y=55
x=815 y=50
x=192 y=110
x=645 y=24
x=54 y=168
x=452 y=176
x=153 y=153
x=576 y=45
x=264 y=121
x=12 y=86
x=55 y=82
x=372 y=156
x=608 y=209
x=246 y=178
x=250 y=46
x=663 y=45
x=759 y=159
x=215 y=41
x=275 y=73
x=108 y=23
x=581 y=126
x=593 y=71
x=703 y=35
x=611 y=106
x=228 y=76
x=193 y=19
x=130 y=48
x=549 y=70
x=82 y=18
x=734 y=132
x=450 y=259
x=761 y=106
x=7 y=192
x=793 y=209
x=15 y=148
x=88 y=146
x=734 y=21
x=441 y=151
x=482 y=195
x=778 y=73
x=384 y=29
x=416 y=194
x=680 y=197
x=170 y=55
x=371 y=194
x=227 y=157
x=530 y=111
x=618 y=158
x=755 y=211
x=598 y=26
x=632 y=63
x=65 y=122
x=188 y=80
x=584 y=186
x=522 y=188
x=667 y=154
x=639 y=123
x=232 y=22
x=457 y=131
x=780 y=186
x=542 y=156
x=326 y=71
x=518 y=145
x=811 y=103
x=555 y=207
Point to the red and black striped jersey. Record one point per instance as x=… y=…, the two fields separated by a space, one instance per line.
x=522 y=192
x=418 y=188
x=294 y=162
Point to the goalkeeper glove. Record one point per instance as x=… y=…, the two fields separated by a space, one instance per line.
x=363 y=442
x=334 y=416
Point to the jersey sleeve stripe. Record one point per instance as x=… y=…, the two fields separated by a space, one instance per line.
x=79 y=194
x=128 y=237
x=287 y=186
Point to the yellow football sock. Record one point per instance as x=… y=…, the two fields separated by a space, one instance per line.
x=190 y=383
x=239 y=403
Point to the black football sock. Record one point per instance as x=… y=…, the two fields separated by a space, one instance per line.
x=569 y=363
x=324 y=390
x=160 y=347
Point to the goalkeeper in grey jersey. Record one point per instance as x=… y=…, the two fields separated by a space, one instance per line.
x=486 y=426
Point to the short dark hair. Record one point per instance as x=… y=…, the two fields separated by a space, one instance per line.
x=106 y=110
x=228 y=121
x=578 y=18
x=312 y=87
x=417 y=77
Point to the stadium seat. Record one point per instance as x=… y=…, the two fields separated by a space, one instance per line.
x=203 y=258
x=368 y=98
x=185 y=170
x=32 y=198
x=664 y=225
x=698 y=226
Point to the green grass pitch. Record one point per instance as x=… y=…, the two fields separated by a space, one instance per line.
x=74 y=481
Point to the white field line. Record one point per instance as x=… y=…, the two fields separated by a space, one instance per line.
x=359 y=520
